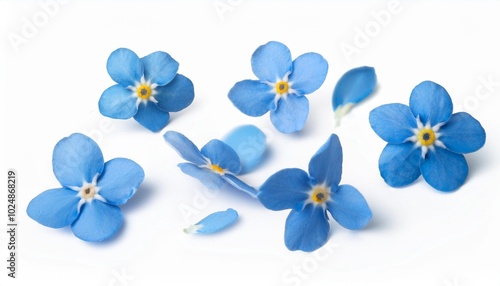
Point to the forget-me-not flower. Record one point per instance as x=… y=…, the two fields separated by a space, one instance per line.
x=281 y=86
x=215 y=165
x=147 y=88
x=311 y=195
x=426 y=139
x=91 y=190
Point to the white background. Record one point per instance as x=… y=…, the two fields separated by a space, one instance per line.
x=53 y=75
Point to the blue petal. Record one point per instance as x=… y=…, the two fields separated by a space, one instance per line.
x=393 y=122
x=354 y=86
x=431 y=103
x=252 y=97
x=206 y=177
x=249 y=142
x=119 y=180
x=118 y=102
x=76 y=160
x=214 y=222
x=399 y=164
x=286 y=189
x=176 y=95
x=291 y=114
x=326 y=165
x=271 y=61
x=444 y=170
x=184 y=147
x=462 y=133
x=159 y=68
x=54 y=208
x=97 y=221
x=306 y=230
x=222 y=155
x=309 y=73
x=151 y=117
x=239 y=185
x=349 y=208
x=124 y=67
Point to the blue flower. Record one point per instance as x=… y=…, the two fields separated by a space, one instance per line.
x=147 y=88
x=91 y=190
x=311 y=195
x=215 y=165
x=426 y=139
x=281 y=86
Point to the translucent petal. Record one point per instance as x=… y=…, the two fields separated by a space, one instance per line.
x=214 y=222
x=249 y=142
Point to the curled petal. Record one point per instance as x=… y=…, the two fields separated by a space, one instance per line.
x=354 y=86
x=431 y=103
x=326 y=165
x=97 y=221
x=125 y=67
x=222 y=155
x=271 y=61
x=76 y=160
x=306 y=230
x=393 y=122
x=159 y=68
x=119 y=180
x=444 y=170
x=349 y=208
x=118 y=103
x=286 y=189
x=291 y=114
x=309 y=73
x=462 y=133
x=214 y=222
x=252 y=97
x=176 y=95
x=399 y=164
x=185 y=147
x=151 y=117
x=54 y=208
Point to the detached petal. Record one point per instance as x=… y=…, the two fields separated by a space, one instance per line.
x=271 y=61
x=208 y=178
x=393 y=122
x=118 y=103
x=306 y=230
x=349 y=208
x=125 y=67
x=119 y=180
x=462 y=133
x=176 y=95
x=291 y=114
x=399 y=164
x=76 y=160
x=54 y=208
x=354 y=86
x=326 y=165
x=249 y=142
x=431 y=102
x=214 y=222
x=309 y=73
x=151 y=117
x=286 y=189
x=97 y=221
x=184 y=147
x=252 y=97
x=444 y=170
x=159 y=68
x=222 y=155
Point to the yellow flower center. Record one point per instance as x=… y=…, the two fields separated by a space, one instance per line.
x=88 y=192
x=320 y=194
x=144 y=91
x=282 y=87
x=426 y=137
x=217 y=169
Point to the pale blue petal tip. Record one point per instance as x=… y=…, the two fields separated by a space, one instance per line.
x=249 y=142
x=214 y=222
x=354 y=86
